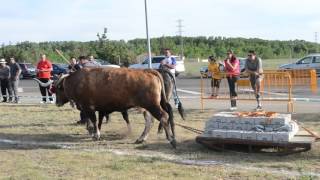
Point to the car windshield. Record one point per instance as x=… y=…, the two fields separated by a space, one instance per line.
x=102 y=62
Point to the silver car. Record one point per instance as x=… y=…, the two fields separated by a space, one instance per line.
x=312 y=61
x=156 y=63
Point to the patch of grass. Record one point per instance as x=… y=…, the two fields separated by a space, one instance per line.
x=87 y=159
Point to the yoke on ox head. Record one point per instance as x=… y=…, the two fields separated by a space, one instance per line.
x=61 y=97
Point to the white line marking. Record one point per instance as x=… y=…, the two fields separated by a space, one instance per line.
x=187 y=91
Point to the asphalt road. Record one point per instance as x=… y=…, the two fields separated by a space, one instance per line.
x=189 y=92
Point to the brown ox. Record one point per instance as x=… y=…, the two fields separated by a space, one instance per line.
x=116 y=89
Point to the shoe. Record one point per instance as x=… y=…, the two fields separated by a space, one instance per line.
x=42 y=102
x=259 y=108
x=4 y=101
x=233 y=108
x=51 y=102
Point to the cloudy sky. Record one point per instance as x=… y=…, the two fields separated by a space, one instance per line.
x=80 y=20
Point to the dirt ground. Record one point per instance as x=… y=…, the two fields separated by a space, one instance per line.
x=43 y=142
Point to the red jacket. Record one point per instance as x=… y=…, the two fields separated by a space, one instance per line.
x=44 y=69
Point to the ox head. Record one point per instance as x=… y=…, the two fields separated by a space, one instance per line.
x=61 y=97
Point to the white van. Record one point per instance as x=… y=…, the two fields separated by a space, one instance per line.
x=156 y=63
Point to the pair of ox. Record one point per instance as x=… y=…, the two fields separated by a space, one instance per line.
x=118 y=89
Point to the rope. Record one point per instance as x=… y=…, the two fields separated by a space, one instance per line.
x=197 y=131
x=308 y=130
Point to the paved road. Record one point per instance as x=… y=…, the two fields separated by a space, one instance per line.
x=189 y=91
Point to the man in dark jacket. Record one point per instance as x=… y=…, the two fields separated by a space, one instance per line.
x=4 y=80
x=15 y=72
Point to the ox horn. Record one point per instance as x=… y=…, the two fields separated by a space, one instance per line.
x=43 y=84
x=61 y=78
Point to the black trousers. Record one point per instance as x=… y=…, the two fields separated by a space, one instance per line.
x=45 y=90
x=4 y=87
x=232 y=81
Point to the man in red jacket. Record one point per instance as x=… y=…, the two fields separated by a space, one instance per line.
x=44 y=69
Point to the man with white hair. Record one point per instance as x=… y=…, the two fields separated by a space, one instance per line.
x=4 y=80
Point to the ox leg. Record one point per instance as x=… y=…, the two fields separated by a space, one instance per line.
x=160 y=129
x=126 y=118
x=148 y=125
x=101 y=115
x=93 y=119
x=163 y=117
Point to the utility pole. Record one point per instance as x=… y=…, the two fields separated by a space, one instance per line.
x=147 y=31
x=180 y=35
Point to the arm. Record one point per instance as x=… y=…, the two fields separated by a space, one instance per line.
x=235 y=66
x=18 y=72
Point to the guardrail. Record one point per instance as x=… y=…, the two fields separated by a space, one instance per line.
x=275 y=86
x=302 y=77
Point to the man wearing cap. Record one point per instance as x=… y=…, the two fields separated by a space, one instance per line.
x=4 y=80
x=15 y=72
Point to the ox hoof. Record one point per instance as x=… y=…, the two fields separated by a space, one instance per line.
x=96 y=138
x=160 y=131
x=174 y=144
x=90 y=130
x=138 y=141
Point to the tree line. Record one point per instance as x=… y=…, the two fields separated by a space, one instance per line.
x=128 y=52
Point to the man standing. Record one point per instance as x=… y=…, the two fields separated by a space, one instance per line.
x=44 y=69
x=170 y=63
x=15 y=72
x=253 y=67
x=4 y=80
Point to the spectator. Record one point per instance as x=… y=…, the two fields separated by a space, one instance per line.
x=93 y=61
x=4 y=80
x=232 y=68
x=84 y=62
x=253 y=67
x=44 y=68
x=15 y=72
x=170 y=63
x=73 y=65
x=214 y=69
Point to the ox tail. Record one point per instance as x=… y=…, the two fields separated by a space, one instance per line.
x=173 y=80
x=165 y=103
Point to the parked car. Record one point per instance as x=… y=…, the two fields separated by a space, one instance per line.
x=311 y=61
x=105 y=63
x=59 y=69
x=28 y=70
x=155 y=60
x=204 y=70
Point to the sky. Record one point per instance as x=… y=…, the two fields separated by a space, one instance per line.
x=81 y=20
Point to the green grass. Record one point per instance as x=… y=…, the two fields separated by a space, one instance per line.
x=87 y=159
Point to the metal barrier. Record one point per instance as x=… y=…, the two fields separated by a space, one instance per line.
x=275 y=86
x=302 y=77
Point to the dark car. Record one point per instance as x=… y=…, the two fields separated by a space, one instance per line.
x=59 y=69
x=28 y=70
